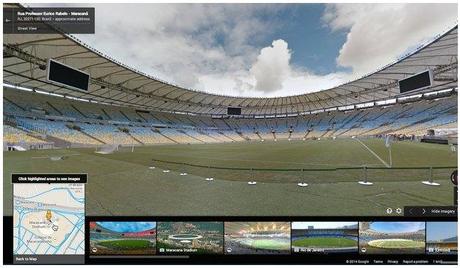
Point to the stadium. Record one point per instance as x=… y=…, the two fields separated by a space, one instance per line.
x=243 y=238
x=322 y=239
x=441 y=238
x=391 y=238
x=354 y=149
x=190 y=237
x=111 y=238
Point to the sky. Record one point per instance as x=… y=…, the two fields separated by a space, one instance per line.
x=440 y=230
x=264 y=50
x=322 y=225
x=123 y=227
x=397 y=227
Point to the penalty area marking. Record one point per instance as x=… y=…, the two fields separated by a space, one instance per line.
x=372 y=152
x=430 y=183
x=47 y=156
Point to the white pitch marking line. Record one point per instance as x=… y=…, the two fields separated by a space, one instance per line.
x=47 y=156
x=369 y=149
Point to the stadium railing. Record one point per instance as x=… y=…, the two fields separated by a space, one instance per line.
x=311 y=175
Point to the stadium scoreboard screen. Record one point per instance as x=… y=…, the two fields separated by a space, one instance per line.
x=233 y=111
x=419 y=81
x=65 y=75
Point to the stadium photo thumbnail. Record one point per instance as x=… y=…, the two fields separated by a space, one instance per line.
x=442 y=238
x=190 y=238
x=324 y=237
x=122 y=238
x=244 y=238
x=392 y=237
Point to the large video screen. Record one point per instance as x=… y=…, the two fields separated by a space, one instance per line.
x=233 y=111
x=148 y=134
x=65 y=75
x=418 y=81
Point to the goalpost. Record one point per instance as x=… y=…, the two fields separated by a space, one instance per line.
x=112 y=148
x=107 y=149
x=126 y=148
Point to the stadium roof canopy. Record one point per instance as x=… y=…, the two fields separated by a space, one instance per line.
x=26 y=55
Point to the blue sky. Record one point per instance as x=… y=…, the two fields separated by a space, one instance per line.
x=123 y=227
x=397 y=227
x=440 y=230
x=314 y=46
x=264 y=50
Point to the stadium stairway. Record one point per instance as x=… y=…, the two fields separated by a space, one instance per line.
x=79 y=112
x=89 y=135
x=242 y=136
x=141 y=116
x=420 y=122
x=14 y=104
x=166 y=137
x=188 y=135
x=209 y=136
x=106 y=114
x=371 y=130
x=349 y=129
x=125 y=116
x=258 y=135
x=54 y=108
x=228 y=137
x=328 y=131
x=134 y=138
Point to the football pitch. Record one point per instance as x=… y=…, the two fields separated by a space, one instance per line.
x=325 y=242
x=125 y=244
x=271 y=244
x=125 y=182
x=396 y=243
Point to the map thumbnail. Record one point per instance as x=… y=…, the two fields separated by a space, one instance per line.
x=49 y=219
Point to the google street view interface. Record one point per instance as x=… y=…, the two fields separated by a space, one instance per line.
x=230 y=133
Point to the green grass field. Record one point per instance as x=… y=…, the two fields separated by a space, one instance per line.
x=122 y=183
x=125 y=244
x=396 y=243
x=270 y=244
x=325 y=242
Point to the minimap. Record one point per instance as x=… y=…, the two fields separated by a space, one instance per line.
x=49 y=219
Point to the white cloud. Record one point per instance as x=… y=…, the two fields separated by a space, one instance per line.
x=213 y=47
x=272 y=66
x=275 y=76
x=379 y=33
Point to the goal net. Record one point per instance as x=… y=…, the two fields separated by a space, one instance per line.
x=107 y=149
